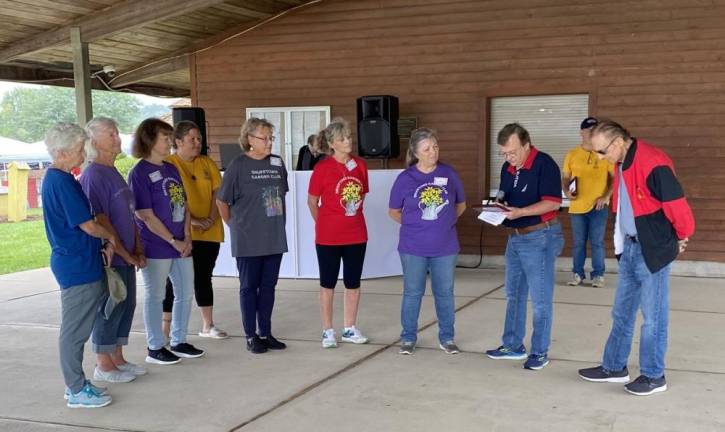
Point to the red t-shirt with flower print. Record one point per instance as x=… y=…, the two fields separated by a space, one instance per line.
x=341 y=188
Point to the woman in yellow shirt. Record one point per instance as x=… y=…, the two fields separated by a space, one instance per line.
x=201 y=179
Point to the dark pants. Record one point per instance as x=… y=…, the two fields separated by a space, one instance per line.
x=204 y=254
x=329 y=257
x=257 y=279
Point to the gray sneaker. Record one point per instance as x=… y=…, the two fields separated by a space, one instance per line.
x=449 y=347
x=407 y=348
x=113 y=376
x=575 y=280
x=598 y=282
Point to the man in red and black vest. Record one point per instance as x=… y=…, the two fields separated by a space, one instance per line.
x=652 y=226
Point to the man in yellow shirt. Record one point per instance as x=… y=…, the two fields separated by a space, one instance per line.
x=587 y=182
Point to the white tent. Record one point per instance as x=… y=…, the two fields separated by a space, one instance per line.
x=14 y=150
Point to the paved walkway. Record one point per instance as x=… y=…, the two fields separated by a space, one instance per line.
x=371 y=387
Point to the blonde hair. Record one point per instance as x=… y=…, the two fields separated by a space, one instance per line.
x=249 y=126
x=337 y=129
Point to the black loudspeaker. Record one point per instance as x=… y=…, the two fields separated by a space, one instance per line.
x=196 y=115
x=377 y=127
x=227 y=153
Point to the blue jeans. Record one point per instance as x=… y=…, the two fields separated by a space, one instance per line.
x=108 y=333
x=442 y=276
x=181 y=272
x=589 y=226
x=639 y=288
x=257 y=281
x=530 y=260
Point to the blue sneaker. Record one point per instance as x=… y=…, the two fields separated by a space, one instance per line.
x=536 y=362
x=88 y=398
x=503 y=353
x=100 y=390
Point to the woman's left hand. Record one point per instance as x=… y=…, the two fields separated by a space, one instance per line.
x=201 y=224
x=107 y=252
x=186 y=251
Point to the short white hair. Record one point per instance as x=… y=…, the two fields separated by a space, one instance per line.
x=63 y=136
x=93 y=129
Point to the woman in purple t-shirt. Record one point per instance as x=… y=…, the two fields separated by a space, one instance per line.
x=165 y=225
x=426 y=200
x=113 y=206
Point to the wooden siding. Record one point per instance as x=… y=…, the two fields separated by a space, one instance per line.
x=656 y=66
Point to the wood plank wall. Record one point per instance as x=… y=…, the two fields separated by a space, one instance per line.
x=657 y=66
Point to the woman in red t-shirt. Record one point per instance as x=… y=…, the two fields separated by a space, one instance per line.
x=337 y=188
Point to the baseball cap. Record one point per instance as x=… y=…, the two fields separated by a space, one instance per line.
x=589 y=122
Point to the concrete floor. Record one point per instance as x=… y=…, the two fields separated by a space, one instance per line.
x=371 y=387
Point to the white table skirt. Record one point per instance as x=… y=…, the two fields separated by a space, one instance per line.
x=381 y=257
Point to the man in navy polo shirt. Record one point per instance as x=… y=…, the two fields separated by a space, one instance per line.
x=531 y=190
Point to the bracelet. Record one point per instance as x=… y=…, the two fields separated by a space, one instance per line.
x=172 y=241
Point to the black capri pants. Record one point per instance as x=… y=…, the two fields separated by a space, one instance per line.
x=204 y=254
x=328 y=259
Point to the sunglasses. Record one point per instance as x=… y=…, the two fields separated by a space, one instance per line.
x=603 y=151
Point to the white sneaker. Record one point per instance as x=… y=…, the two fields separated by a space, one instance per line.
x=598 y=282
x=353 y=335
x=132 y=368
x=575 y=280
x=328 y=339
x=113 y=376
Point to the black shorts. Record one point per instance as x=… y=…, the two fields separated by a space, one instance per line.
x=328 y=259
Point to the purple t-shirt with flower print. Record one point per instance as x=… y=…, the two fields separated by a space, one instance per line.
x=428 y=203
x=109 y=195
x=159 y=188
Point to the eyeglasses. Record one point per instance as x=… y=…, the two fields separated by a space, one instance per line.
x=269 y=138
x=511 y=153
x=603 y=151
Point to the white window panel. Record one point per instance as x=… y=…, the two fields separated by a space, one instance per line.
x=292 y=127
x=552 y=121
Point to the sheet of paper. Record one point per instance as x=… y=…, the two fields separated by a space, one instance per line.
x=493 y=218
x=572 y=186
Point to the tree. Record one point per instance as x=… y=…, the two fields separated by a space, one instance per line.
x=27 y=113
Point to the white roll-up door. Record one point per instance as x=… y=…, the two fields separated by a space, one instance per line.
x=552 y=121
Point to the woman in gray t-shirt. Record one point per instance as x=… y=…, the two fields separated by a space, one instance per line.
x=252 y=203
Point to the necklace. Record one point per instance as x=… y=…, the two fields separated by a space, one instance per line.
x=184 y=167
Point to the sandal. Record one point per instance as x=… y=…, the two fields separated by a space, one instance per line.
x=214 y=333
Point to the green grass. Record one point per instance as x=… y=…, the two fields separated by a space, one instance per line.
x=23 y=246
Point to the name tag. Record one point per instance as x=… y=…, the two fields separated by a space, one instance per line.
x=155 y=176
x=440 y=181
x=351 y=164
x=275 y=161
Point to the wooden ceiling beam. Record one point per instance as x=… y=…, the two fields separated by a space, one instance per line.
x=154 y=69
x=123 y=16
x=34 y=75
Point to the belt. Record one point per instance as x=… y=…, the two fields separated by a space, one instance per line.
x=532 y=228
x=631 y=238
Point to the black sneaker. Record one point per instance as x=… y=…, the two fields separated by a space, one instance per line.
x=272 y=343
x=599 y=374
x=186 y=350
x=644 y=386
x=162 y=357
x=256 y=346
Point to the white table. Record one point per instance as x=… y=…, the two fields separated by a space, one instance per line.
x=381 y=257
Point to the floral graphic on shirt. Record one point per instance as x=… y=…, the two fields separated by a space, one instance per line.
x=177 y=198
x=430 y=200
x=272 y=199
x=351 y=191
